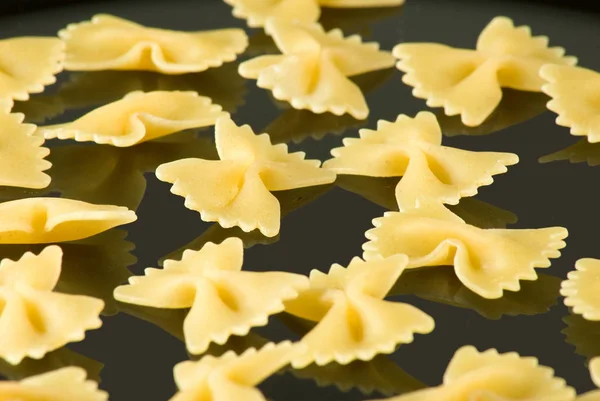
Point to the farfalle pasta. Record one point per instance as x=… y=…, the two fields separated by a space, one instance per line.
x=489 y=375
x=574 y=98
x=470 y=82
x=312 y=73
x=486 y=261
x=412 y=148
x=46 y=220
x=138 y=117
x=35 y=320
x=354 y=321
x=223 y=300
x=22 y=155
x=28 y=64
x=111 y=43
x=230 y=376
x=581 y=289
x=593 y=395
x=66 y=384
x=236 y=190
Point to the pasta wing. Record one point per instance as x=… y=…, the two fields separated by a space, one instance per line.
x=34 y=320
x=111 y=43
x=574 y=98
x=581 y=289
x=486 y=261
x=138 y=117
x=354 y=320
x=257 y=12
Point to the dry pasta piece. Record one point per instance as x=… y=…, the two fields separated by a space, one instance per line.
x=111 y=43
x=581 y=289
x=412 y=148
x=486 y=261
x=235 y=191
x=231 y=376
x=595 y=370
x=27 y=65
x=470 y=82
x=138 y=117
x=223 y=300
x=489 y=375
x=35 y=320
x=312 y=73
x=45 y=220
x=355 y=322
x=574 y=98
x=22 y=155
x=65 y=384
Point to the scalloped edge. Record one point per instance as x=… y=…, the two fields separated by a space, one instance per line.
x=570 y=289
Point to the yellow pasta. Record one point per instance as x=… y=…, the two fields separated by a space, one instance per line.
x=66 y=384
x=574 y=98
x=22 y=155
x=138 y=117
x=354 y=320
x=28 y=64
x=45 y=220
x=486 y=261
x=223 y=300
x=470 y=82
x=593 y=395
x=581 y=289
x=35 y=320
x=236 y=190
x=111 y=43
x=411 y=148
x=230 y=376
x=312 y=73
x=488 y=375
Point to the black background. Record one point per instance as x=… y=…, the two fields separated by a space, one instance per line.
x=138 y=356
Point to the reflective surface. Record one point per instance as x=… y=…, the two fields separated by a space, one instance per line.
x=554 y=184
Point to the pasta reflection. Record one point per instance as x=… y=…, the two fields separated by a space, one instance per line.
x=93 y=266
x=516 y=107
x=40 y=108
x=580 y=152
x=381 y=191
x=440 y=284
x=583 y=334
x=60 y=358
x=356 y=20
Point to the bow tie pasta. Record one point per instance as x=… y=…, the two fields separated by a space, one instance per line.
x=223 y=300
x=46 y=220
x=354 y=321
x=312 y=73
x=470 y=82
x=486 y=261
x=66 y=384
x=35 y=320
x=138 y=117
x=473 y=375
x=412 y=148
x=235 y=191
x=581 y=289
x=111 y=43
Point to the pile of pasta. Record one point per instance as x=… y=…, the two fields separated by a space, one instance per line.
x=342 y=312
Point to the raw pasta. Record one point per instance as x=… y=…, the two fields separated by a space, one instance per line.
x=470 y=82
x=354 y=320
x=45 y=220
x=28 y=64
x=593 y=395
x=574 y=93
x=312 y=73
x=412 y=148
x=235 y=191
x=231 y=377
x=581 y=289
x=486 y=261
x=138 y=117
x=66 y=384
x=111 y=43
x=22 y=155
x=35 y=320
x=223 y=300
x=488 y=375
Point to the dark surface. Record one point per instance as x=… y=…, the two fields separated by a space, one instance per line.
x=138 y=356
